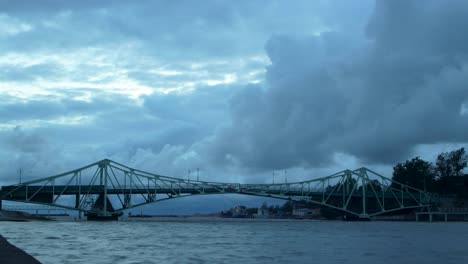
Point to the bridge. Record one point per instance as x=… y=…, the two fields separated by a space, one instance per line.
x=104 y=189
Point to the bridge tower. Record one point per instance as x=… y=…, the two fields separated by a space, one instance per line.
x=102 y=209
x=364 y=179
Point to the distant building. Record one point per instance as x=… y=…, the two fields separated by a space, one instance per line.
x=239 y=211
x=262 y=213
x=306 y=212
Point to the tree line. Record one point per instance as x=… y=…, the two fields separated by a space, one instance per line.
x=445 y=176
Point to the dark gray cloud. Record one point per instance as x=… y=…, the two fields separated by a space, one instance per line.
x=53 y=135
x=166 y=29
x=202 y=107
x=375 y=98
x=169 y=86
x=46 y=108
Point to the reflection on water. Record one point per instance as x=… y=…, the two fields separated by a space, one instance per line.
x=240 y=241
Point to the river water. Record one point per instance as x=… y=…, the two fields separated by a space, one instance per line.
x=240 y=241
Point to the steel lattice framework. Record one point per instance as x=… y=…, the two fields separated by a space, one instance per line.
x=107 y=188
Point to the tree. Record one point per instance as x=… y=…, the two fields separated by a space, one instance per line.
x=273 y=209
x=252 y=211
x=416 y=173
x=287 y=207
x=348 y=184
x=451 y=163
x=371 y=186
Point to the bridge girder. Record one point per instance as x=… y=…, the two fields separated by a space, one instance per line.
x=107 y=187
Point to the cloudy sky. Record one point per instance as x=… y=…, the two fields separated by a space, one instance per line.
x=239 y=89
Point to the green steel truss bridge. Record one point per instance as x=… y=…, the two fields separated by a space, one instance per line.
x=104 y=189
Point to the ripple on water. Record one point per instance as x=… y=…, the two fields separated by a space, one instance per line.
x=239 y=242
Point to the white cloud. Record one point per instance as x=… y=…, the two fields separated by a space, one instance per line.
x=72 y=120
x=10 y=26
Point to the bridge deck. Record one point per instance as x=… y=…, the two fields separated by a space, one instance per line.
x=23 y=192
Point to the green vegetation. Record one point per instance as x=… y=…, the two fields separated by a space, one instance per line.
x=416 y=173
x=445 y=176
x=451 y=163
x=284 y=210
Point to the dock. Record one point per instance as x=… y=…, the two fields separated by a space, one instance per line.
x=442 y=216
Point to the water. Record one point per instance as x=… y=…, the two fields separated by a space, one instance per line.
x=240 y=241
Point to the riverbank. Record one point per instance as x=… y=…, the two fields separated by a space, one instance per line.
x=19 y=216
x=10 y=254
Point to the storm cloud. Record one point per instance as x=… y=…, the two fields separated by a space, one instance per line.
x=238 y=89
x=376 y=98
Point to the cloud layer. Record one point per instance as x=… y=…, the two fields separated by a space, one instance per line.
x=237 y=89
x=376 y=98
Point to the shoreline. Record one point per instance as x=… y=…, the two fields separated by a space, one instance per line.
x=10 y=254
x=18 y=216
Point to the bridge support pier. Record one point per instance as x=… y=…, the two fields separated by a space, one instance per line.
x=77 y=201
x=103 y=210
x=102 y=216
x=364 y=217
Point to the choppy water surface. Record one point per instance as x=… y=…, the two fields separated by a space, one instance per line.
x=242 y=241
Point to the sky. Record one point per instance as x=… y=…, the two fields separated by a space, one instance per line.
x=238 y=89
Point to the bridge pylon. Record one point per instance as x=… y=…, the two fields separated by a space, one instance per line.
x=102 y=209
